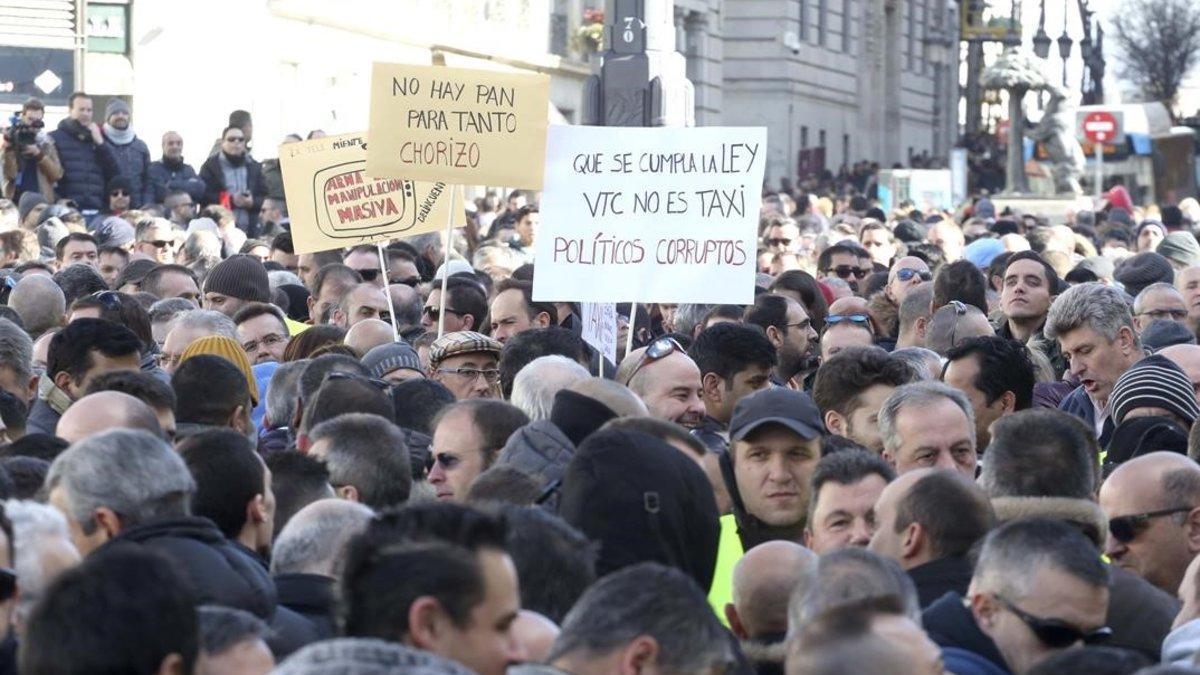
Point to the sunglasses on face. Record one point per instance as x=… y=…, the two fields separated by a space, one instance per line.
x=846 y=271
x=1056 y=633
x=659 y=349
x=908 y=273
x=778 y=242
x=110 y=300
x=118 y=193
x=407 y=281
x=860 y=319
x=1127 y=528
x=368 y=274
x=434 y=313
x=159 y=244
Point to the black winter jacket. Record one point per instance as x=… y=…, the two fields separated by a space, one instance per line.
x=133 y=160
x=87 y=167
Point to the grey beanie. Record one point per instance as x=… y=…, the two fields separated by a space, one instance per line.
x=115 y=105
x=1180 y=247
x=1163 y=333
x=114 y=231
x=49 y=234
x=381 y=360
x=1140 y=270
x=366 y=656
x=1102 y=267
x=27 y=202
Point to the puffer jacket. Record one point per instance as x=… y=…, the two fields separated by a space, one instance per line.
x=165 y=177
x=87 y=167
x=133 y=160
x=539 y=449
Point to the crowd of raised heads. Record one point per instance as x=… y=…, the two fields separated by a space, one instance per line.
x=937 y=441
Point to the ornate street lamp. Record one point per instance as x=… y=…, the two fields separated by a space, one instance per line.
x=1064 y=50
x=1041 y=41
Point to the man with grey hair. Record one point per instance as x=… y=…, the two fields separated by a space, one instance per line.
x=914 y=316
x=189 y=327
x=43 y=548
x=231 y=641
x=1095 y=329
x=408 y=303
x=131 y=487
x=367 y=459
x=16 y=362
x=954 y=322
x=282 y=399
x=928 y=425
x=40 y=303
x=536 y=385
x=925 y=362
x=162 y=313
x=1038 y=589
x=647 y=614
x=851 y=575
x=688 y=318
x=1158 y=301
x=307 y=558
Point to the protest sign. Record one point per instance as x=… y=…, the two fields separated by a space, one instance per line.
x=650 y=215
x=333 y=203
x=600 y=327
x=456 y=125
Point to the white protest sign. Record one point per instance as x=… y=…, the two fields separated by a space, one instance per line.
x=600 y=327
x=650 y=214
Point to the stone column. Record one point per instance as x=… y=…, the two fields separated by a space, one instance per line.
x=1017 y=181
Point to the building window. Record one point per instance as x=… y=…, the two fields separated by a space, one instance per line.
x=803 y=138
x=847 y=24
x=846 y=149
x=911 y=34
x=803 y=19
x=821 y=23
x=821 y=137
x=559 y=28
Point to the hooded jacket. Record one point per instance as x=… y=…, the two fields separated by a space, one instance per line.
x=643 y=501
x=223 y=574
x=366 y=656
x=87 y=167
x=578 y=416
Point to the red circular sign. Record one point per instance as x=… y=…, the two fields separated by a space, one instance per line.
x=1100 y=126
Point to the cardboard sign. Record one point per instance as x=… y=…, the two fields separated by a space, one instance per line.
x=469 y=127
x=600 y=327
x=334 y=204
x=650 y=215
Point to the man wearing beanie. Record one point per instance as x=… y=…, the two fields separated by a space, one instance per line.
x=1180 y=249
x=1155 y=386
x=234 y=283
x=116 y=201
x=394 y=362
x=1139 y=271
x=87 y=160
x=131 y=153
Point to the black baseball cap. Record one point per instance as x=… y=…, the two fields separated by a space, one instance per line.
x=794 y=410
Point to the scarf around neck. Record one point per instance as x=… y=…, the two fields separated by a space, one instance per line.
x=118 y=136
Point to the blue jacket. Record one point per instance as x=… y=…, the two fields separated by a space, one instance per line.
x=133 y=159
x=1078 y=404
x=87 y=167
x=164 y=178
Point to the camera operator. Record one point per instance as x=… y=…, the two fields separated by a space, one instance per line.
x=30 y=160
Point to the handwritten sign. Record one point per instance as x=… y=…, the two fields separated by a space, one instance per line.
x=333 y=203
x=600 y=327
x=658 y=214
x=470 y=127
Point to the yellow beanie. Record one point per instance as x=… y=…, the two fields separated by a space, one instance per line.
x=231 y=351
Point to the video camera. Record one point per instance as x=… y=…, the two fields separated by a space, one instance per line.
x=22 y=133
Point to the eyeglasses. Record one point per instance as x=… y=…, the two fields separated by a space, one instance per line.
x=907 y=273
x=659 y=349
x=434 y=313
x=267 y=341
x=1176 y=314
x=159 y=244
x=491 y=374
x=1127 y=528
x=166 y=361
x=409 y=281
x=368 y=274
x=777 y=241
x=110 y=300
x=382 y=385
x=1056 y=633
x=847 y=271
x=860 y=319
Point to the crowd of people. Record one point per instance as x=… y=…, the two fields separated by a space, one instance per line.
x=936 y=442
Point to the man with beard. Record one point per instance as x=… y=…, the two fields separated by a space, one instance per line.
x=667 y=380
x=1030 y=285
x=131 y=153
x=850 y=389
x=788 y=327
x=234 y=177
x=171 y=173
x=88 y=162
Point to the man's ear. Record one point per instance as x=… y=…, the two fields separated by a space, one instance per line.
x=172 y=664
x=984 y=608
x=1192 y=530
x=348 y=492
x=735 y=622
x=835 y=422
x=256 y=510
x=107 y=520
x=1008 y=401
x=31 y=390
x=639 y=656
x=712 y=386
x=912 y=541
x=425 y=623
x=542 y=320
x=920 y=327
x=236 y=419
x=775 y=336
x=468 y=322
x=62 y=380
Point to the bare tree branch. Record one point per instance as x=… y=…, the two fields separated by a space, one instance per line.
x=1159 y=42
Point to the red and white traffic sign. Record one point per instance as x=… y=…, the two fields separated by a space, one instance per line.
x=1100 y=126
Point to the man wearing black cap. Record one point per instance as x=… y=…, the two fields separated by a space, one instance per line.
x=234 y=283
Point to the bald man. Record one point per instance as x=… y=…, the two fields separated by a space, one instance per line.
x=535 y=633
x=669 y=385
x=906 y=274
x=362 y=302
x=764 y=581
x=1153 y=507
x=367 y=334
x=104 y=411
x=1186 y=357
x=617 y=397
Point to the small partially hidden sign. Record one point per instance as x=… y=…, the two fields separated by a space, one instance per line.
x=334 y=203
x=600 y=327
x=467 y=127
